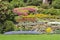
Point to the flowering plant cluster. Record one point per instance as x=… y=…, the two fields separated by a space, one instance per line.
x=25 y=10
x=31 y=17
x=36 y=16
x=27 y=13
x=49 y=30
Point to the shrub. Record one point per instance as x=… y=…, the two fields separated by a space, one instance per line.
x=5 y=11
x=50 y=11
x=56 y=4
x=45 y=6
x=34 y=2
x=17 y=3
x=1 y=26
x=53 y=11
x=57 y=31
x=8 y=26
x=25 y=10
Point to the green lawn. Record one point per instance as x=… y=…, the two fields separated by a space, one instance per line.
x=31 y=37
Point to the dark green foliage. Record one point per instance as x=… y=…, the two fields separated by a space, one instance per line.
x=50 y=11
x=17 y=3
x=34 y=2
x=8 y=26
x=56 y=4
x=1 y=26
x=5 y=12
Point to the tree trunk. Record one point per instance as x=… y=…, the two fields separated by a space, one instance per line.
x=45 y=1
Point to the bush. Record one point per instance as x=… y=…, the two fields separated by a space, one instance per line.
x=8 y=26
x=5 y=12
x=1 y=26
x=50 y=11
x=45 y=6
x=56 y=4
x=57 y=31
x=17 y=3
x=34 y=2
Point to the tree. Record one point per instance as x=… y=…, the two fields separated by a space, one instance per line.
x=45 y=1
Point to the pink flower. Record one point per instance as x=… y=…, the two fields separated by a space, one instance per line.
x=25 y=14
x=31 y=9
x=23 y=10
x=19 y=13
x=15 y=10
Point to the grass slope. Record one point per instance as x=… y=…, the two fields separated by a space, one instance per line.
x=30 y=37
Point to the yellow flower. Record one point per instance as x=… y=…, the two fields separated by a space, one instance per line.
x=49 y=29
x=37 y=15
x=29 y=16
x=40 y=15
